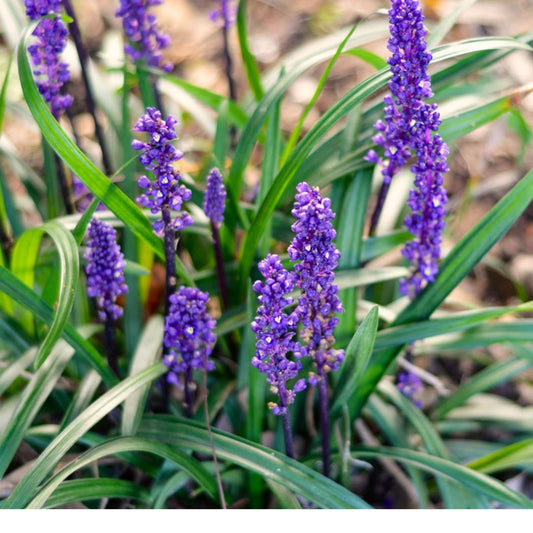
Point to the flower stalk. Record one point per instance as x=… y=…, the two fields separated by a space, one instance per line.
x=105 y=281
x=315 y=257
x=89 y=95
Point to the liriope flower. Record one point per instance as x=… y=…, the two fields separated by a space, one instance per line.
x=189 y=335
x=104 y=269
x=410 y=129
x=274 y=330
x=315 y=257
x=215 y=197
x=159 y=155
x=224 y=14
x=140 y=28
x=51 y=39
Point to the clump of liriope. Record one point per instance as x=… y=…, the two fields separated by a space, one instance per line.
x=315 y=257
x=105 y=280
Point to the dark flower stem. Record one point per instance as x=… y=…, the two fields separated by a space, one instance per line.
x=170 y=256
x=157 y=93
x=219 y=260
x=379 y=207
x=63 y=185
x=83 y=58
x=229 y=65
x=170 y=283
x=286 y=419
x=324 y=420
x=231 y=81
x=111 y=344
x=6 y=240
x=187 y=380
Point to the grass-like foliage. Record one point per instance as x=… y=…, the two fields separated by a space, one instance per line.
x=262 y=311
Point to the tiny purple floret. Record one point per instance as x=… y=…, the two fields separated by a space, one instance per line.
x=410 y=385
x=224 y=15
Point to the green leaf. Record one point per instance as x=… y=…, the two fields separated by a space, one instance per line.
x=83 y=396
x=293 y=138
x=32 y=399
x=146 y=354
x=353 y=193
x=119 y=446
x=271 y=157
x=454 y=497
x=13 y=287
x=3 y=92
x=476 y=481
x=13 y=371
x=486 y=334
x=513 y=456
x=386 y=417
x=424 y=329
x=221 y=142
x=250 y=65
x=269 y=463
x=67 y=251
x=357 y=355
x=54 y=453
x=454 y=127
x=368 y=57
x=79 y=490
x=482 y=381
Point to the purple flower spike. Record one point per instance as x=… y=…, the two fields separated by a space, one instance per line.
x=50 y=73
x=426 y=221
x=215 y=196
x=165 y=191
x=410 y=385
x=225 y=14
x=140 y=28
x=105 y=269
x=316 y=256
x=274 y=330
x=410 y=128
x=188 y=335
x=409 y=85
